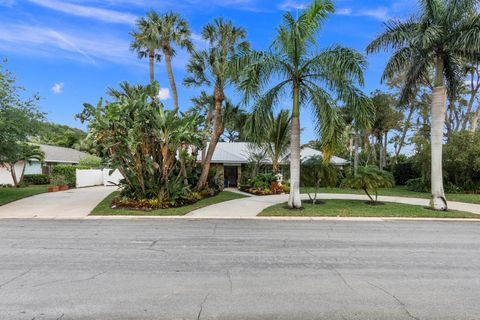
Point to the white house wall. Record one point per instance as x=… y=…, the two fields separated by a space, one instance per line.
x=6 y=175
x=33 y=167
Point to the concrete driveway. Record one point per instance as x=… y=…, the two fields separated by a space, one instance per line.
x=71 y=204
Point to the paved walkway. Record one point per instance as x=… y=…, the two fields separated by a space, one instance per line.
x=251 y=207
x=71 y=204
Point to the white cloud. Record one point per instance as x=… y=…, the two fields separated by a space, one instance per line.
x=380 y=13
x=58 y=87
x=164 y=94
x=292 y=4
x=86 y=46
x=87 y=12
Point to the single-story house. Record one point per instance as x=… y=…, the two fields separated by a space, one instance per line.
x=230 y=157
x=53 y=156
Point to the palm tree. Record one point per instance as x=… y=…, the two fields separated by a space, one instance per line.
x=212 y=67
x=444 y=33
x=146 y=40
x=274 y=135
x=173 y=29
x=311 y=77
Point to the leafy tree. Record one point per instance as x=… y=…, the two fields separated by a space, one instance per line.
x=146 y=40
x=212 y=67
x=370 y=179
x=386 y=118
x=316 y=173
x=57 y=135
x=19 y=119
x=310 y=77
x=20 y=154
x=442 y=34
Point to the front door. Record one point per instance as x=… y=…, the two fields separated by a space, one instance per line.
x=230 y=175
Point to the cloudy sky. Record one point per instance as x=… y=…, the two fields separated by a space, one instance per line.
x=71 y=51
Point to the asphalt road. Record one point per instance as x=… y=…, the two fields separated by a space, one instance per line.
x=157 y=269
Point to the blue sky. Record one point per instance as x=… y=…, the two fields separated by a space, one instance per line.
x=71 y=51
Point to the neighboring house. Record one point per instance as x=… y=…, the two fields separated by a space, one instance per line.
x=53 y=156
x=230 y=157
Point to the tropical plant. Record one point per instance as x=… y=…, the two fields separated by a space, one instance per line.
x=370 y=179
x=273 y=136
x=146 y=40
x=316 y=173
x=141 y=139
x=444 y=33
x=19 y=155
x=310 y=77
x=173 y=29
x=212 y=67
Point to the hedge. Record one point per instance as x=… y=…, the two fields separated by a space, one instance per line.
x=36 y=179
x=68 y=172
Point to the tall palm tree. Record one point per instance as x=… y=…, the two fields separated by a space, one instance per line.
x=212 y=67
x=173 y=29
x=310 y=77
x=444 y=33
x=146 y=40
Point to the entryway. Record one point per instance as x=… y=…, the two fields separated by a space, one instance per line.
x=230 y=175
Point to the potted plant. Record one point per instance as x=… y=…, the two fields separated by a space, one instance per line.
x=61 y=182
x=53 y=188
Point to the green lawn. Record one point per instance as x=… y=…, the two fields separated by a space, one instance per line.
x=356 y=208
x=403 y=192
x=103 y=208
x=12 y=194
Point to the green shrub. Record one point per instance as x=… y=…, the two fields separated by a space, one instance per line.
x=36 y=179
x=91 y=162
x=417 y=185
x=68 y=173
x=404 y=171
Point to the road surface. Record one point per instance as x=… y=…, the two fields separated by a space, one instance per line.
x=229 y=269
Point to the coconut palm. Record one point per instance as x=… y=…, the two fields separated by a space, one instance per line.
x=444 y=33
x=212 y=67
x=173 y=29
x=310 y=77
x=146 y=40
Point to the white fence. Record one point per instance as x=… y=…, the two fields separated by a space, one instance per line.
x=97 y=177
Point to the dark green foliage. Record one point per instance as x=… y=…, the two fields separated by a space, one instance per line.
x=404 y=171
x=66 y=173
x=58 y=135
x=36 y=179
x=461 y=162
x=417 y=185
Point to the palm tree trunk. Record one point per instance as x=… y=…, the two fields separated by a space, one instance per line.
x=474 y=121
x=151 y=58
x=405 y=130
x=173 y=86
x=381 y=155
x=356 y=158
x=218 y=128
x=385 y=148
x=294 y=200
x=438 y=201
